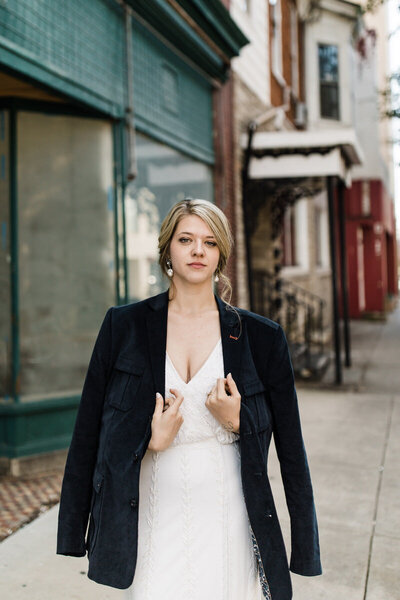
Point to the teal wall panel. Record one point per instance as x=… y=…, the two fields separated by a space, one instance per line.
x=173 y=102
x=36 y=427
x=75 y=46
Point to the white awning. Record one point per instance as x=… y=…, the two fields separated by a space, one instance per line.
x=287 y=154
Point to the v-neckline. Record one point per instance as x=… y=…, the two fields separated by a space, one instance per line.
x=201 y=368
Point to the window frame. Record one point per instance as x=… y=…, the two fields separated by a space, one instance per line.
x=326 y=84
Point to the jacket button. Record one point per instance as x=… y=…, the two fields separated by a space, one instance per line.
x=268 y=515
x=133 y=502
x=135 y=457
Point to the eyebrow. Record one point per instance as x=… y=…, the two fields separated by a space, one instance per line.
x=189 y=233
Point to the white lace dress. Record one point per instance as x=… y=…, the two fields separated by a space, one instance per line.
x=194 y=539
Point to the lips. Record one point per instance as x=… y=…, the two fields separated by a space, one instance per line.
x=194 y=264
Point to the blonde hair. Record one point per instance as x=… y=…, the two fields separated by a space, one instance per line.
x=219 y=225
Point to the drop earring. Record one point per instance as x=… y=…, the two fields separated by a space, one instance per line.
x=170 y=271
x=216 y=278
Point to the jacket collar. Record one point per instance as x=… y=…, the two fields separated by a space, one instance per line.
x=156 y=323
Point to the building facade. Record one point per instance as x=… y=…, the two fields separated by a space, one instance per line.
x=110 y=112
x=370 y=219
x=294 y=154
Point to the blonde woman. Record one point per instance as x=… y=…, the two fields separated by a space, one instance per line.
x=169 y=450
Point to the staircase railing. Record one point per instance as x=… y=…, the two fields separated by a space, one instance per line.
x=300 y=312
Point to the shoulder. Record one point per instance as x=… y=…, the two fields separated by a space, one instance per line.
x=133 y=308
x=132 y=312
x=254 y=320
x=258 y=320
x=261 y=331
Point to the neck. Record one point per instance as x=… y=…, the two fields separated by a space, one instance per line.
x=192 y=300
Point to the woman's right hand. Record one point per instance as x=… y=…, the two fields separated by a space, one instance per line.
x=165 y=424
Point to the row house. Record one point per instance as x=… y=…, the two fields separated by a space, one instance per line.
x=298 y=147
x=370 y=219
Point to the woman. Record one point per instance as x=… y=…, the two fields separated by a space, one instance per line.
x=195 y=455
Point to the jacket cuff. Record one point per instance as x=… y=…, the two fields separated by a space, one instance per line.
x=306 y=568
x=69 y=552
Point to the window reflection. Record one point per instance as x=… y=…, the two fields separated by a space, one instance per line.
x=165 y=176
x=329 y=81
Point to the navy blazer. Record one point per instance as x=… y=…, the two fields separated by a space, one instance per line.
x=113 y=429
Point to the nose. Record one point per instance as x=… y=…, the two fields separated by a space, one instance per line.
x=198 y=248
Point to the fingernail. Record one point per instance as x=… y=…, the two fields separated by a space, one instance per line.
x=158 y=394
x=229 y=375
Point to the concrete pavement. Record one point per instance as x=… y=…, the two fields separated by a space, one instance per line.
x=353 y=444
x=352 y=437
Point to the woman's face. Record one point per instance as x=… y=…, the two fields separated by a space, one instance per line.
x=193 y=242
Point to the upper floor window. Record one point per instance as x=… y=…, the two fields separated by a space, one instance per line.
x=329 y=81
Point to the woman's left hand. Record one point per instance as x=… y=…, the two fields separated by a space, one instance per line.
x=225 y=407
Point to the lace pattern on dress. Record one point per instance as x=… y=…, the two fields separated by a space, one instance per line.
x=200 y=424
x=187 y=527
x=151 y=520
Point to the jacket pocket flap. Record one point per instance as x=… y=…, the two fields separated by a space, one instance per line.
x=129 y=365
x=253 y=387
x=97 y=480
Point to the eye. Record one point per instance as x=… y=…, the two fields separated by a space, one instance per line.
x=184 y=239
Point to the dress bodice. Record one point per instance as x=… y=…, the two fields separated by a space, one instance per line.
x=199 y=423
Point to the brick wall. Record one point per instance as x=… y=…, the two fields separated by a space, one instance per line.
x=247 y=106
x=277 y=85
x=224 y=188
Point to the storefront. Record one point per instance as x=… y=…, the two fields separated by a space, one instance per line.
x=104 y=124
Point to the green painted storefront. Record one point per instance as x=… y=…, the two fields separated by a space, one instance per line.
x=112 y=122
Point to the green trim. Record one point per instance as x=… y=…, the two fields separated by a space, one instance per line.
x=15 y=57
x=15 y=352
x=160 y=15
x=124 y=139
x=117 y=187
x=156 y=133
x=38 y=406
x=30 y=428
x=216 y=22
x=53 y=108
x=37 y=447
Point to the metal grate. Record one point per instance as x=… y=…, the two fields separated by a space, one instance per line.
x=78 y=40
x=169 y=94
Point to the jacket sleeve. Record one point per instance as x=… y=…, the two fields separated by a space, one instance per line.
x=305 y=553
x=76 y=487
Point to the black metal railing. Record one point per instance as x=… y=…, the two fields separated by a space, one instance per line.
x=301 y=314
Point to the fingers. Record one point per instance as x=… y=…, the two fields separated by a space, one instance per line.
x=159 y=404
x=231 y=383
x=179 y=398
x=220 y=387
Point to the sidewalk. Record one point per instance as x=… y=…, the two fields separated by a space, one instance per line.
x=352 y=437
x=353 y=444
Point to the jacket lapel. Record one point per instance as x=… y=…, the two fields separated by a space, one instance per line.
x=156 y=323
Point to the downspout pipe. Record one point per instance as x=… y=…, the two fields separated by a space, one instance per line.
x=246 y=213
x=131 y=166
x=333 y=254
